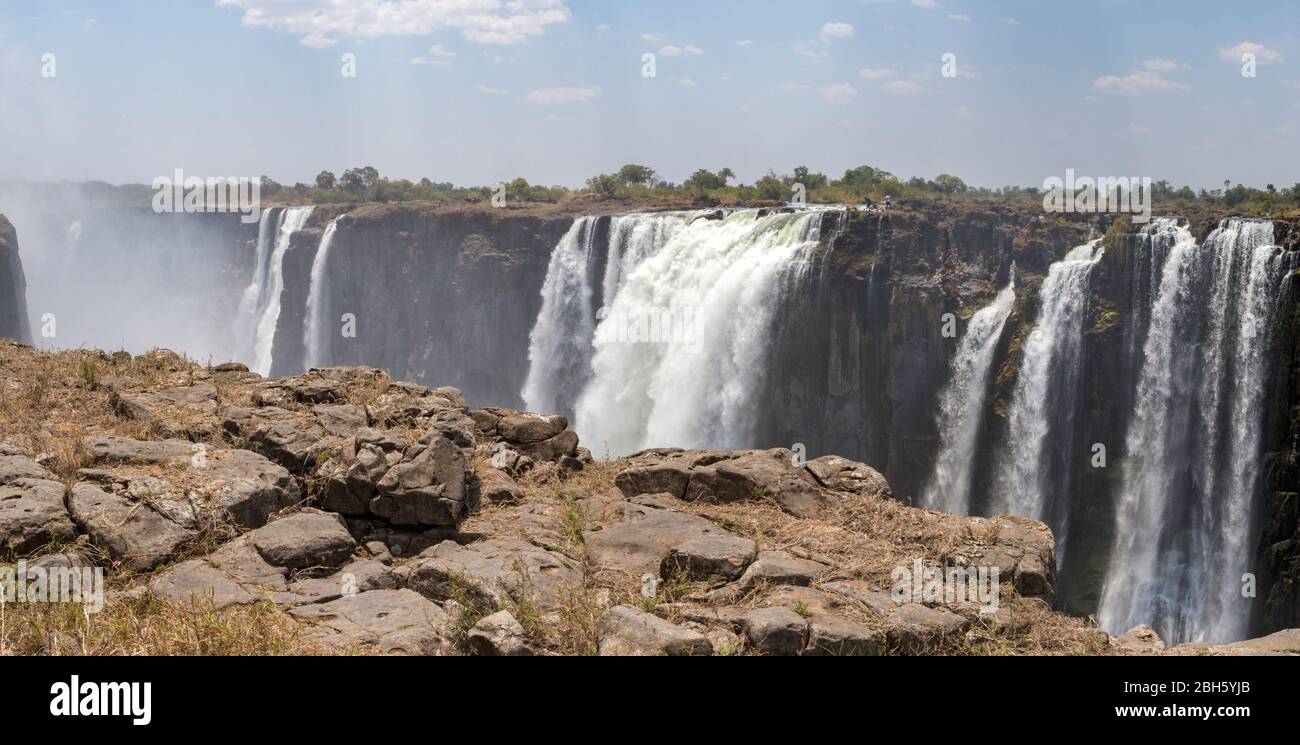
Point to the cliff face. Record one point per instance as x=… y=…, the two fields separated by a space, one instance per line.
x=444 y=299
x=860 y=360
x=14 y=323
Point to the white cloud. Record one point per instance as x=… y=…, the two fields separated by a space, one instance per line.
x=804 y=51
x=1138 y=129
x=683 y=82
x=322 y=23
x=1263 y=55
x=901 y=87
x=549 y=96
x=493 y=91
x=436 y=56
x=652 y=38
x=839 y=93
x=836 y=30
x=1136 y=84
x=1158 y=64
x=602 y=27
x=795 y=87
x=959 y=17
x=744 y=42
x=1009 y=21
x=924 y=3
x=675 y=51
x=876 y=73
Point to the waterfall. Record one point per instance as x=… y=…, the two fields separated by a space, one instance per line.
x=680 y=354
x=250 y=302
x=291 y=221
x=961 y=405
x=559 y=348
x=314 y=333
x=663 y=338
x=1185 y=520
x=1034 y=479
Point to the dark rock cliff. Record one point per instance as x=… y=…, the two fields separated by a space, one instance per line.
x=14 y=323
x=438 y=298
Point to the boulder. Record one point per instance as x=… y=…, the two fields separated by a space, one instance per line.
x=775 y=631
x=237 y=485
x=713 y=558
x=131 y=532
x=626 y=631
x=1140 y=640
x=498 y=635
x=844 y=475
x=32 y=514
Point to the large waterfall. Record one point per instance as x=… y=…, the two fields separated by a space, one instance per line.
x=314 y=324
x=269 y=283
x=678 y=355
x=1185 y=521
x=961 y=405
x=1034 y=479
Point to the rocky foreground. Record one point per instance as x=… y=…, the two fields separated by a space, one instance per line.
x=340 y=512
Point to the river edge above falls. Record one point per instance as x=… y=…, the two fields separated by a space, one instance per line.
x=854 y=367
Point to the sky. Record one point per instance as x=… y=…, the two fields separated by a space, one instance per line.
x=479 y=91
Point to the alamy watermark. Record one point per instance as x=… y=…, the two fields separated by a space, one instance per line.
x=240 y=194
x=34 y=584
x=932 y=584
x=654 y=326
x=1102 y=194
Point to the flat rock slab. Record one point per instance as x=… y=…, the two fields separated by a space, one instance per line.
x=626 y=631
x=258 y=565
x=239 y=485
x=714 y=558
x=494 y=572
x=132 y=533
x=911 y=628
x=32 y=515
x=177 y=411
x=14 y=467
x=638 y=542
x=747 y=475
x=394 y=621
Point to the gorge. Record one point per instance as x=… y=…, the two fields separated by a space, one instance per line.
x=1171 y=346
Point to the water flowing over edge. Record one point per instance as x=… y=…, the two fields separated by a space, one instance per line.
x=961 y=405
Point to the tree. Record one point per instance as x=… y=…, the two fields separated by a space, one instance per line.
x=726 y=174
x=704 y=180
x=810 y=180
x=606 y=184
x=634 y=174
x=947 y=184
x=325 y=180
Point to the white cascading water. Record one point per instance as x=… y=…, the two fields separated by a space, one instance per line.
x=717 y=285
x=291 y=221
x=561 y=343
x=675 y=355
x=961 y=405
x=314 y=325
x=559 y=348
x=250 y=302
x=1034 y=480
x=1185 y=521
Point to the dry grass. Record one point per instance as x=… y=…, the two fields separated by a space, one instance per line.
x=148 y=626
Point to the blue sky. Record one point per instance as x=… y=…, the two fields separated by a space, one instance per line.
x=475 y=91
